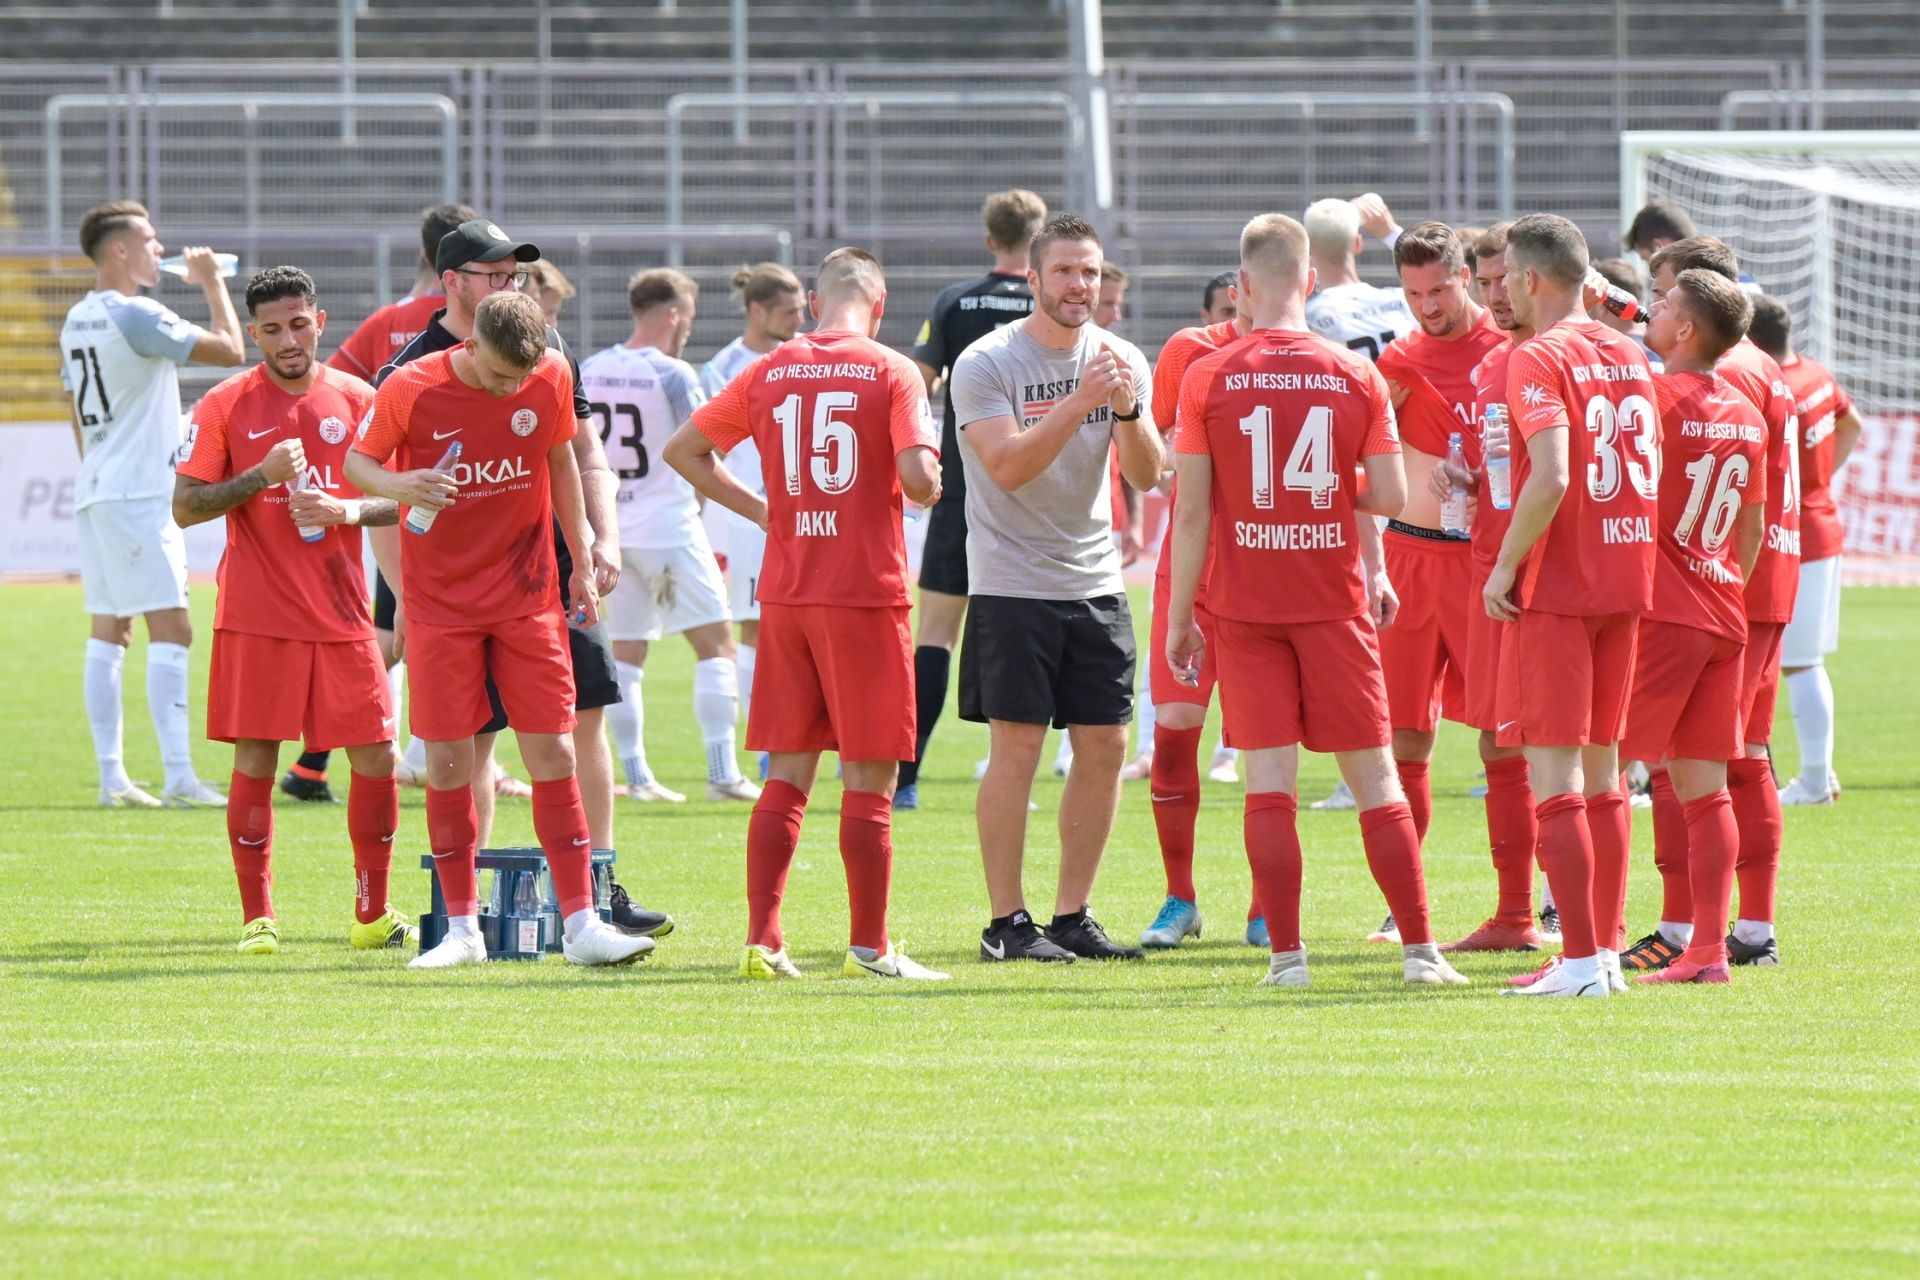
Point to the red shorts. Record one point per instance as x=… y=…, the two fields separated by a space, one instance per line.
x=1161 y=685
x=1316 y=683
x=1486 y=638
x=1564 y=681
x=833 y=678
x=1762 y=685
x=326 y=694
x=1687 y=702
x=447 y=670
x=1424 y=653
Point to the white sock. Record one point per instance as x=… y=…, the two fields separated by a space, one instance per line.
x=1811 y=694
x=1221 y=751
x=101 y=688
x=1753 y=932
x=167 y=704
x=1546 y=893
x=463 y=926
x=1679 y=933
x=1063 y=758
x=744 y=665
x=417 y=755
x=716 y=706
x=1143 y=715
x=581 y=920
x=627 y=718
x=1585 y=969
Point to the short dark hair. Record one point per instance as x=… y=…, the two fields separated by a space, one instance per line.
x=1551 y=245
x=1061 y=226
x=1225 y=280
x=660 y=287
x=1470 y=242
x=105 y=221
x=1492 y=242
x=1657 y=220
x=513 y=327
x=1622 y=274
x=1113 y=273
x=437 y=221
x=1705 y=252
x=1715 y=303
x=1012 y=217
x=270 y=284
x=1425 y=243
x=1772 y=326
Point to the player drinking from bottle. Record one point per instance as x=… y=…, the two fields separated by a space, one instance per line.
x=482 y=598
x=843 y=428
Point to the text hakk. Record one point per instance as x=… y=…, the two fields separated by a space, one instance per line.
x=1262 y=380
x=815 y=524
x=1626 y=530
x=1288 y=537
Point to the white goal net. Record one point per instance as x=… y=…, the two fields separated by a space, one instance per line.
x=1829 y=223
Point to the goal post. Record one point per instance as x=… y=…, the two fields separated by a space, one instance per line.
x=1829 y=223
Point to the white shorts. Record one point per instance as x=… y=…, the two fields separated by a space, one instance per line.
x=133 y=557
x=1815 y=630
x=746 y=551
x=666 y=590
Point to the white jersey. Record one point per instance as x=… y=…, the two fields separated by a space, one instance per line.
x=119 y=359
x=641 y=396
x=744 y=459
x=1360 y=317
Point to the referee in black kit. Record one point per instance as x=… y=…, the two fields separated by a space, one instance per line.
x=961 y=315
x=476 y=260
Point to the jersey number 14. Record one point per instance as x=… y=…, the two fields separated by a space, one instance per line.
x=834 y=458
x=1309 y=468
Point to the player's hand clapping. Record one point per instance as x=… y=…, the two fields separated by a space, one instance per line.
x=284 y=461
x=1103 y=380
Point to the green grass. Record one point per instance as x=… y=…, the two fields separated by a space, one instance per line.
x=168 y=1107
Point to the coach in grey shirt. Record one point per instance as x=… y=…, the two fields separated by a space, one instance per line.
x=1040 y=404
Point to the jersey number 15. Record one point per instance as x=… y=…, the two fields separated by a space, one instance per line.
x=835 y=454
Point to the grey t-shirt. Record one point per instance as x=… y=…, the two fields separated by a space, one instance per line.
x=1051 y=539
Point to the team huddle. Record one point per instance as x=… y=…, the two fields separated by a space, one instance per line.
x=1490 y=497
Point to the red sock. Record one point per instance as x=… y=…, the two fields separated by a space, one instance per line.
x=773 y=832
x=1175 y=784
x=1512 y=833
x=373 y=812
x=453 y=836
x=1670 y=850
x=1610 y=827
x=1419 y=789
x=1713 y=840
x=560 y=824
x=1756 y=811
x=866 y=850
x=1273 y=851
x=1566 y=855
x=250 y=836
x=1393 y=855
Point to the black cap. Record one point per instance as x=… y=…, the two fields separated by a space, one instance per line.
x=479 y=241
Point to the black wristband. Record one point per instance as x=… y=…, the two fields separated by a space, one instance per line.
x=1129 y=417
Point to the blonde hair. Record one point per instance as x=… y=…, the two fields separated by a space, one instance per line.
x=1013 y=218
x=542 y=274
x=1273 y=247
x=1331 y=226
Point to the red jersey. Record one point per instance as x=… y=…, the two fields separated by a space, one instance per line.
x=1818 y=402
x=1177 y=355
x=382 y=334
x=1287 y=418
x=1489 y=379
x=1776 y=574
x=272 y=582
x=831 y=413
x=488 y=557
x=1713 y=447
x=1437 y=376
x=1597 y=556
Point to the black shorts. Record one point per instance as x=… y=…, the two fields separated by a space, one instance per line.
x=943 y=561
x=594 y=682
x=1048 y=661
x=383 y=602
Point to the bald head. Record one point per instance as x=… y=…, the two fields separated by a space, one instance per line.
x=847 y=274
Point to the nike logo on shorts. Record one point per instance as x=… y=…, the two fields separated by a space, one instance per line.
x=1502 y=728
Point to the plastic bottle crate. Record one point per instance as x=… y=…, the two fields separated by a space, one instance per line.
x=509 y=933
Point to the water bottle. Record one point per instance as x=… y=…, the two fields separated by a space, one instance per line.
x=308 y=532
x=526 y=911
x=225 y=264
x=549 y=905
x=1496 y=442
x=1453 y=511
x=1614 y=298
x=419 y=519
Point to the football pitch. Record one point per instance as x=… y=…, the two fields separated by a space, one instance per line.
x=168 y=1107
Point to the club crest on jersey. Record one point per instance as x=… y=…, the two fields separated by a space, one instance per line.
x=524 y=421
x=333 y=430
